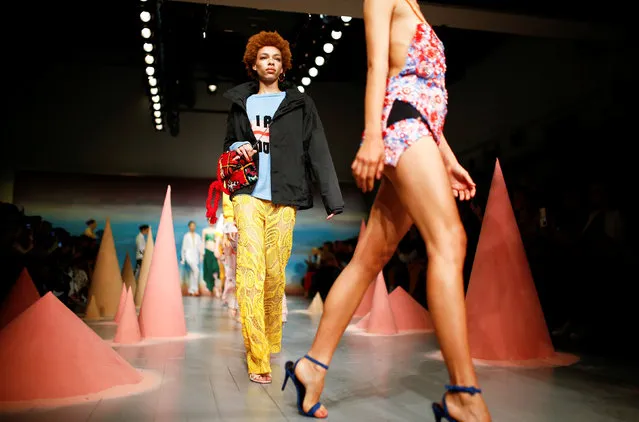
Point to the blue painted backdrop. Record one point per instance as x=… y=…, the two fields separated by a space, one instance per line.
x=68 y=201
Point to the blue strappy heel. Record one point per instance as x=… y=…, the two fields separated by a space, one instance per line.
x=441 y=410
x=301 y=389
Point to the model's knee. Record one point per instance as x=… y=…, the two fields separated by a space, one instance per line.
x=373 y=261
x=448 y=244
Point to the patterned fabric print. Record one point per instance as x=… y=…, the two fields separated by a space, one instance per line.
x=236 y=171
x=265 y=240
x=421 y=83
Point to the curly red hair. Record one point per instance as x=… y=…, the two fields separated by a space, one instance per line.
x=266 y=39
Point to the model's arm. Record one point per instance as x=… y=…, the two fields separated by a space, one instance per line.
x=447 y=154
x=230 y=137
x=322 y=162
x=377 y=18
x=231 y=142
x=369 y=161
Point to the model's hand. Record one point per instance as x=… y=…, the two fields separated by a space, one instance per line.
x=330 y=216
x=460 y=181
x=246 y=151
x=369 y=162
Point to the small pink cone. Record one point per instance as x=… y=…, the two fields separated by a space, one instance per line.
x=128 y=331
x=409 y=314
x=120 y=310
x=380 y=320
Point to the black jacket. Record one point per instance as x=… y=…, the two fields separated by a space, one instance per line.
x=298 y=149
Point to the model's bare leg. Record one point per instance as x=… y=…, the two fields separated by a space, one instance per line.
x=423 y=185
x=387 y=225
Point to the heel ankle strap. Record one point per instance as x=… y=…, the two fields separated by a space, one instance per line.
x=316 y=362
x=462 y=389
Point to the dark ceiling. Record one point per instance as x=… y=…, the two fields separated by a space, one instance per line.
x=58 y=33
x=219 y=55
x=610 y=11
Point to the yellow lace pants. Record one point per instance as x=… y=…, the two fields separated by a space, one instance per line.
x=265 y=239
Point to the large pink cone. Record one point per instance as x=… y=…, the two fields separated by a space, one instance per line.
x=47 y=352
x=409 y=314
x=22 y=295
x=162 y=311
x=380 y=320
x=505 y=319
x=367 y=301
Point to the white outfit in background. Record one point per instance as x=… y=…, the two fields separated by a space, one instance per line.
x=192 y=249
x=284 y=308
x=140 y=244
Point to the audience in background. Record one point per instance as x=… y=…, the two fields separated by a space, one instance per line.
x=57 y=262
x=577 y=249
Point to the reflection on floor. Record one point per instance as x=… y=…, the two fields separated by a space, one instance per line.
x=371 y=379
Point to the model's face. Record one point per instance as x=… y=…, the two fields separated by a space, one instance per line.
x=191 y=227
x=268 y=64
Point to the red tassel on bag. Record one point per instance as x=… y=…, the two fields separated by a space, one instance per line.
x=215 y=189
x=233 y=173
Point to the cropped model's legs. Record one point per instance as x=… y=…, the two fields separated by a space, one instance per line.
x=421 y=183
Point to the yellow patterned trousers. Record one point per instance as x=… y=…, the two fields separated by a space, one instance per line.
x=265 y=239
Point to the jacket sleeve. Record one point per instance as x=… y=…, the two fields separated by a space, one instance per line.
x=231 y=136
x=321 y=161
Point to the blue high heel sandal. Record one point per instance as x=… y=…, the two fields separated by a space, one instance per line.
x=301 y=389
x=441 y=410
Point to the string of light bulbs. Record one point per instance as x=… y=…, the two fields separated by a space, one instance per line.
x=149 y=18
x=322 y=58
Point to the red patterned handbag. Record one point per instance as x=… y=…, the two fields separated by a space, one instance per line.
x=234 y=172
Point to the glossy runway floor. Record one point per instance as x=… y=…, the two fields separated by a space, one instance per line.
x=371 y=379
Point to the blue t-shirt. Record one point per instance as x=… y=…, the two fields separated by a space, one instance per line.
x=261 y=108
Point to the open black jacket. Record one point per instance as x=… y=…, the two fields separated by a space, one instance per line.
x=298 y=149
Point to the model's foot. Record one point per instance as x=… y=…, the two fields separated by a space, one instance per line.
x=261 y=378
x=467 y=408
x=312 y=377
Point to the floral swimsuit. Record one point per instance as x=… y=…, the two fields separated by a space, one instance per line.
x=416 y=99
